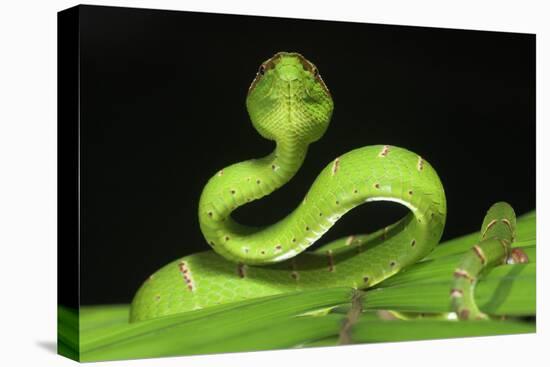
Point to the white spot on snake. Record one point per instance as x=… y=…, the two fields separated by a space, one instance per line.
x=349 y=240
x=220 y=173
x=384 y=151
x=452 y=316
x=278 y=248
x=456 y=293
x=335 y=166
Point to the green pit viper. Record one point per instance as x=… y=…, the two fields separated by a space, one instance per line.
x=289 y=103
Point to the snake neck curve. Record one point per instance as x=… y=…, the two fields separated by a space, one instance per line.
x=239 y=184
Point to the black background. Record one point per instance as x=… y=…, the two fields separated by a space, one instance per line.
x=163 y=108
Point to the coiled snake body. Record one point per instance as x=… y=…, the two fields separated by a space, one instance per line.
x=289 y=103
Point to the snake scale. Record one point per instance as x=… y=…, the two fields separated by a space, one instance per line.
x=289 y=103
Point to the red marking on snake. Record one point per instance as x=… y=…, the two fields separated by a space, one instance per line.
x=491 y=223
x=519 y=256
x=464 y=314
x=385 y=151
x=479 y=252
x=508 y=224
x=241 y=270
x=184 y=270
x=330 y=261
x=420 y=164
x=461 y=273
x=335 y=166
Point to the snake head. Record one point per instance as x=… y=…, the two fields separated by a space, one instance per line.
x=288 y=99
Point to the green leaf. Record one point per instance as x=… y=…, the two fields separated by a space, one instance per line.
x=67 y=332
x=389 y=331
x=506 y=290
x=238 y=327
x=275 y=322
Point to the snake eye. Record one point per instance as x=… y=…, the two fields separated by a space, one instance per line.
x=261 y=70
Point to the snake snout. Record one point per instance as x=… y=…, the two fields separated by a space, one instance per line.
x=289 y=73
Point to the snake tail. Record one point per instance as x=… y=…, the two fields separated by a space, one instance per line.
x=494 y=248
